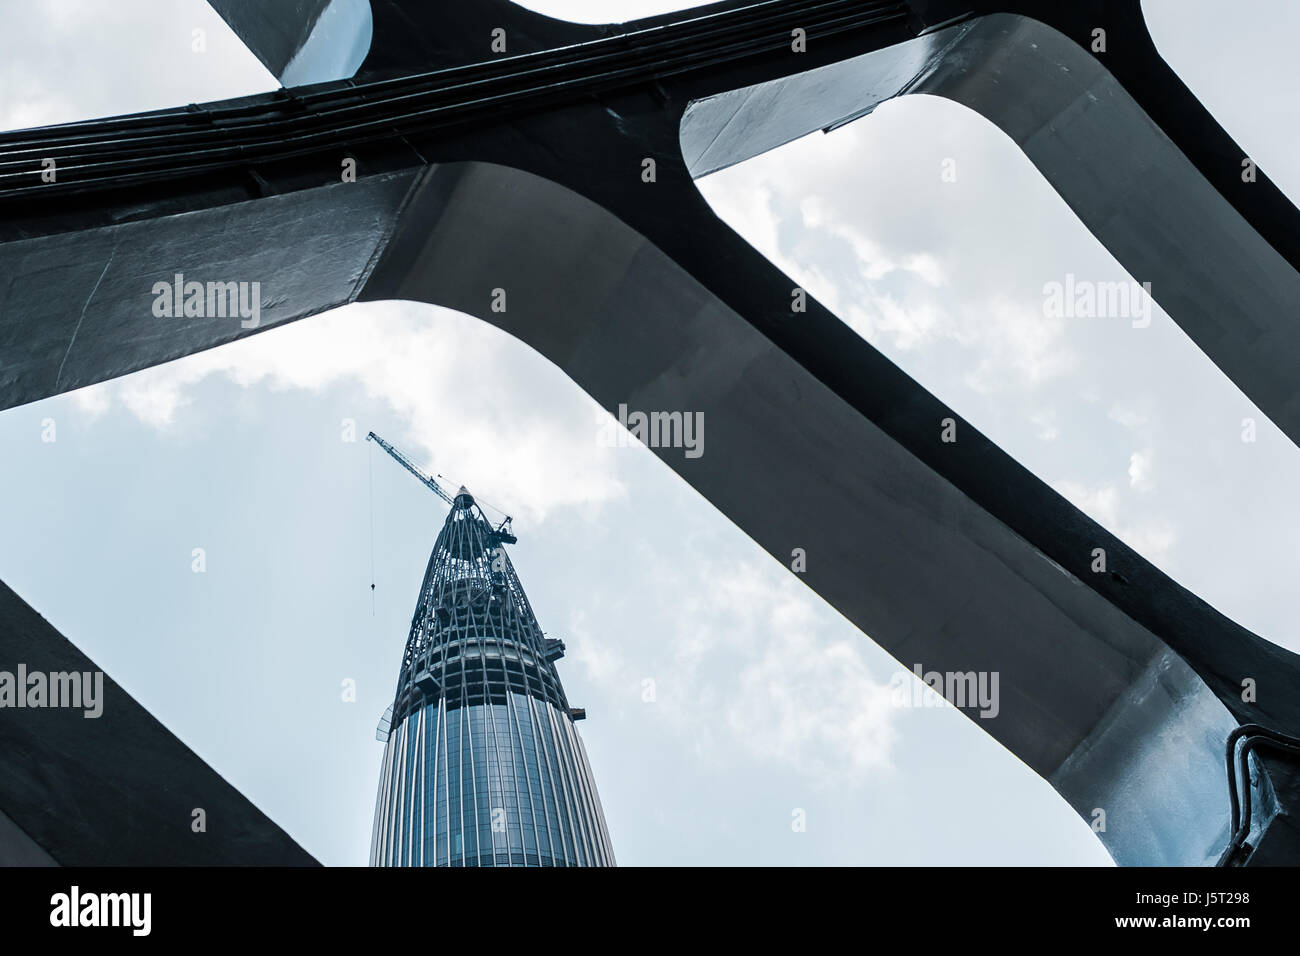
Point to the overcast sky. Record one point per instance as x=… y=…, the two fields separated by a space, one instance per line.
x=766 y=701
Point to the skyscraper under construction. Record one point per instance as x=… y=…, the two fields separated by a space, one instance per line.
x=483 y=765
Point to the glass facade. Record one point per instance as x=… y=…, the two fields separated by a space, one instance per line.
x=483 y=765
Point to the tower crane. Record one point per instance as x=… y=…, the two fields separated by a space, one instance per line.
x=502 y=534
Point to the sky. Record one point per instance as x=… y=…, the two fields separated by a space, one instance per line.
x=722 y=695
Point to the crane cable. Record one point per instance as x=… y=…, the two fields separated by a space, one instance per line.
x=370 y=458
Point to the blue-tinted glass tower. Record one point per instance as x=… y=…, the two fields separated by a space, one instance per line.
x=483 y=765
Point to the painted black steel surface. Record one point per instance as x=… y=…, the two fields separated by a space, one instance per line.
x=525 y=172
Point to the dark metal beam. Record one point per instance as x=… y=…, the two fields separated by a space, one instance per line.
x=118 y=789
x=524 y=173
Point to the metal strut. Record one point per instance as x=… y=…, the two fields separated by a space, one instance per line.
x=1241 y=742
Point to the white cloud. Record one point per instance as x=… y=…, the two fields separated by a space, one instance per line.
x=1153 y=538
x=1044 y=420
x=1127 y=416
x=909 y=324
x=529 y=442
x=1139 y=471
x=67 y=60
x=1013 y=345
x=832 y=226
x=1100 y=504
x=874 y=261
x=91 y=402
x=601 y=11
x=753 y=665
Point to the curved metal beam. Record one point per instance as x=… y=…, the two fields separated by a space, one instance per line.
x=1120 y=687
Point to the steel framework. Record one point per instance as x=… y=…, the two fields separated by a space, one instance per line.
x=483 y=765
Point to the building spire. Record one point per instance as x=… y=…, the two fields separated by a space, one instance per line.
x=480 y=713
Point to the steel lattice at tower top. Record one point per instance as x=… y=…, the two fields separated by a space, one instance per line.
x=483 y=765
